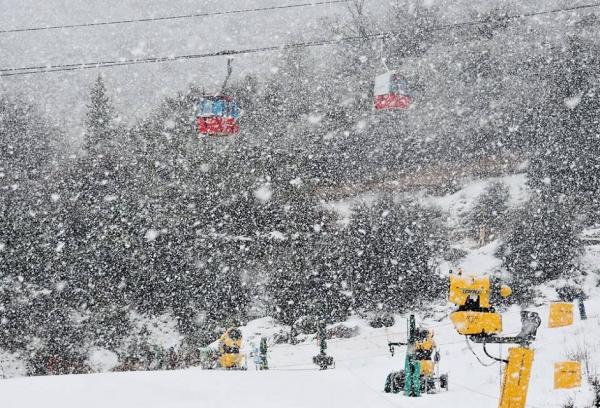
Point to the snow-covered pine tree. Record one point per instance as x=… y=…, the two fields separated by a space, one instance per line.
x=392 y=248
x=566 y=159
x=542 y=245
x=100 y=123
x=306 y=278
x=562 y=129
x=27 y=141
x=490 y=210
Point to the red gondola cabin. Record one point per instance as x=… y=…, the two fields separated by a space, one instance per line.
x=391 y=92
x=217 y=115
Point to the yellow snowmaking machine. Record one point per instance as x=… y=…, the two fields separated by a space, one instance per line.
x=419 y=374
x=475 y=314
x=230 y=356
x=477 y=319
x=425 y=351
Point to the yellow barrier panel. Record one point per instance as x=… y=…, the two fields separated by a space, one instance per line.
x=516 y=378
x=567 y=374
x=561 y=314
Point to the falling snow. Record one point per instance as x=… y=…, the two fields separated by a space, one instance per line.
x=357 y=154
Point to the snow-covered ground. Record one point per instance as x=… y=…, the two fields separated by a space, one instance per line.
x=457 y=205
x=362 y=364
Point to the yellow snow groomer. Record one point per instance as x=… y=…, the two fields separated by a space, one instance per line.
x=477 y=319
x=230 y=343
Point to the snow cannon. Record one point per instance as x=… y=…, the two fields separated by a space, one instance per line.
x=323 y=360
x=420 y=365
x=230 y=343
x=475 y=314
x=479 y=322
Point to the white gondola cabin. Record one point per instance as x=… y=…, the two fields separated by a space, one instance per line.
x=391 y=92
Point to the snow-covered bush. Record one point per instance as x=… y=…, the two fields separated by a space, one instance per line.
x=542 y=244
x=102 y=360
x=11 y=365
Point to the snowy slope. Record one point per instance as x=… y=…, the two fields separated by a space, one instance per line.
x=361 y=366
x=362 y=363
x=457 y=205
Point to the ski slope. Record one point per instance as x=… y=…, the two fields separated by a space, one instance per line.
x=362 y=364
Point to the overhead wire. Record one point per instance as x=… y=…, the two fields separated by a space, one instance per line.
x=42 y=69
x=175 y=17
x=523 y=15
x=121 y=62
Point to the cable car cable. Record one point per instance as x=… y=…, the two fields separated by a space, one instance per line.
x=102 y=64
x=241 y=11
x=6 y=72
x=524 y=15
x=177 y=17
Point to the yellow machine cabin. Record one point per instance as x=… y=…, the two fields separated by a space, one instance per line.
x=470 y=291
x=475 y=314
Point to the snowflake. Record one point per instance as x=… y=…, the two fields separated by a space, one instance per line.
x=264 y=193
x=151 y=235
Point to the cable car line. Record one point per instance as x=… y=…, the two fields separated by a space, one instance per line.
x=6 y=72
x=258 y=9
x=572 y=8
x=114 y=63
x=176 y=17
x=524 y=15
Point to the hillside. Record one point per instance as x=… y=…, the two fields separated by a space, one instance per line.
x=362 y=364
x=358 y=152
